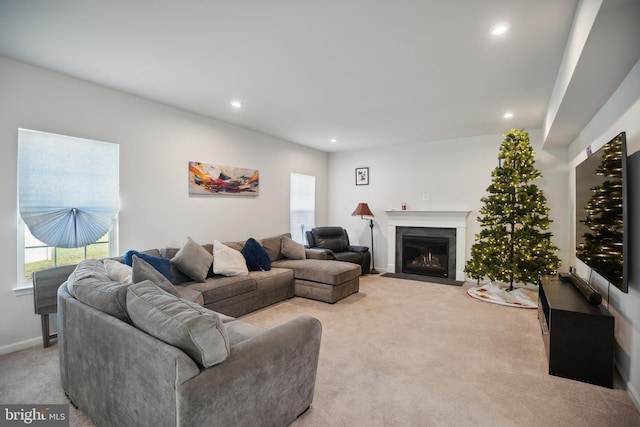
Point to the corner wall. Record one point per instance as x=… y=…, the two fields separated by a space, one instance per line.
x=454 y=173
x=156 y=143
x=620 y=113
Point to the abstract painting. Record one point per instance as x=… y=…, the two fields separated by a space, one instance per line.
x=213 y=179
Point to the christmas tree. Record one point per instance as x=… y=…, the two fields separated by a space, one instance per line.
x=513 y=245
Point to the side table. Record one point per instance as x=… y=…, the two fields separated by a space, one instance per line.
x=45 y=296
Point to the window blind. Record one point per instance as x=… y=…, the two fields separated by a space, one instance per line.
x=68 y=188
x=302 y=206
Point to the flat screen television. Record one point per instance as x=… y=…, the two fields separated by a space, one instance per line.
x=601 y=212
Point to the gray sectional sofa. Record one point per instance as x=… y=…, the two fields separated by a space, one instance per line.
x=308 y=275
x=119 y=375
x=169 y=351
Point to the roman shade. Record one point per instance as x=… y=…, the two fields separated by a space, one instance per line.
x=68 y=188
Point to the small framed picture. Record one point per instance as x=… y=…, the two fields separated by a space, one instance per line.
x=362 y=176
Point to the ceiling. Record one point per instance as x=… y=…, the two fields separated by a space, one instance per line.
x=366 y=72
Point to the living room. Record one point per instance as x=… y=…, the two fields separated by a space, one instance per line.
x=157 y=140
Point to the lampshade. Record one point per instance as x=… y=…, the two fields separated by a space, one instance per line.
x=363 y=210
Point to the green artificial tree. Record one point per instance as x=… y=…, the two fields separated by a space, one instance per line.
x=513 y=245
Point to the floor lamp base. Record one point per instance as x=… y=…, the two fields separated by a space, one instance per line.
x=373 y=271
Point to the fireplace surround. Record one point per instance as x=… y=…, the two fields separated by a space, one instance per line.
x=440 y=224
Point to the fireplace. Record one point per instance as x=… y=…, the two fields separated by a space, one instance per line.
x=425 y=255
x=426 y=251
x=435 y=225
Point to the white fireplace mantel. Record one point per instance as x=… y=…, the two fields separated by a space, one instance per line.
x=433 y=219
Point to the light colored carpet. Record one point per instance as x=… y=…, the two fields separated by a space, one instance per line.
x=404 y=353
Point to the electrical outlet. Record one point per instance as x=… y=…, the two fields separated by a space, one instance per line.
x=425 y=197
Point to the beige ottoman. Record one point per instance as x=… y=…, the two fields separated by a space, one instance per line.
x=323 y=280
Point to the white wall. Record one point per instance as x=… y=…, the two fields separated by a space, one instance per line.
x=620 y=113
x=454 y=173
x=156 y=143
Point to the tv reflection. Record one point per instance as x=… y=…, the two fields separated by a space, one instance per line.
x=600 y=246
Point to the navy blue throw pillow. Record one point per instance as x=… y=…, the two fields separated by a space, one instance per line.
x=163 y=265
x=257 y=258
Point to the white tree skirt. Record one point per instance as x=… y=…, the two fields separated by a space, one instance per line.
x=522 y=297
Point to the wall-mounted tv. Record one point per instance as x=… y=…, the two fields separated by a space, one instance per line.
x=601 y=212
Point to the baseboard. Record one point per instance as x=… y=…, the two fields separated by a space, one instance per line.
x=635 y=396
x=631 y=391
x=422 y=278
x=22 y=345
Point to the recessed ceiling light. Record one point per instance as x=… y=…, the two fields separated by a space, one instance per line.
x=236 y=104
x=333 y=140
x=508 y=115
x=499 y=29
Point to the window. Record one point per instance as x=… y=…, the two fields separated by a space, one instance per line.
x=302 y=206
x=38 y=255
x=68 y=199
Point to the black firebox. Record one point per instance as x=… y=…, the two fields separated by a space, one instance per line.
x=426 y=251
x=428 y=256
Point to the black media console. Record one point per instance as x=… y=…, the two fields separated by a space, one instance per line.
x=577 y=335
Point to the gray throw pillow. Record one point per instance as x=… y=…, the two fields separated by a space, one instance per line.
x=142 y=271
x=193 y=260
x=273 y=246
x=197 y=331
x=90 y=284
x=86 y=269
x=292 y=249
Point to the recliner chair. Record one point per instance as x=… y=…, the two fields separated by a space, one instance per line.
x=335 y=242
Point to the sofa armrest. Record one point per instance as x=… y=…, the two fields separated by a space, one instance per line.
x=316 y=253
x=355 y=248
x=115 y=373
x=267 y=380
x=328 y=252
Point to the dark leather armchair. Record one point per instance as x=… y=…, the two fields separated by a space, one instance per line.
x=335 y=242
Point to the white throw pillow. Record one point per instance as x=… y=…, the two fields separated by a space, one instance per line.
x=118 y=272
x=227 y=261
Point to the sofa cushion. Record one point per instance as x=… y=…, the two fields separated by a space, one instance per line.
x=193 y=260
x=255 y=255
x=218 y=288
x=292 y=249
x=163 y=265
x=90 y=284
x=190 y=294
x=117 y=271
x=235 y=245
x=239 y=331
x=273 y=246
x=142 y=271
x=321 y=271
x=227 y=261
x=88 y=268
x=197 y=331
